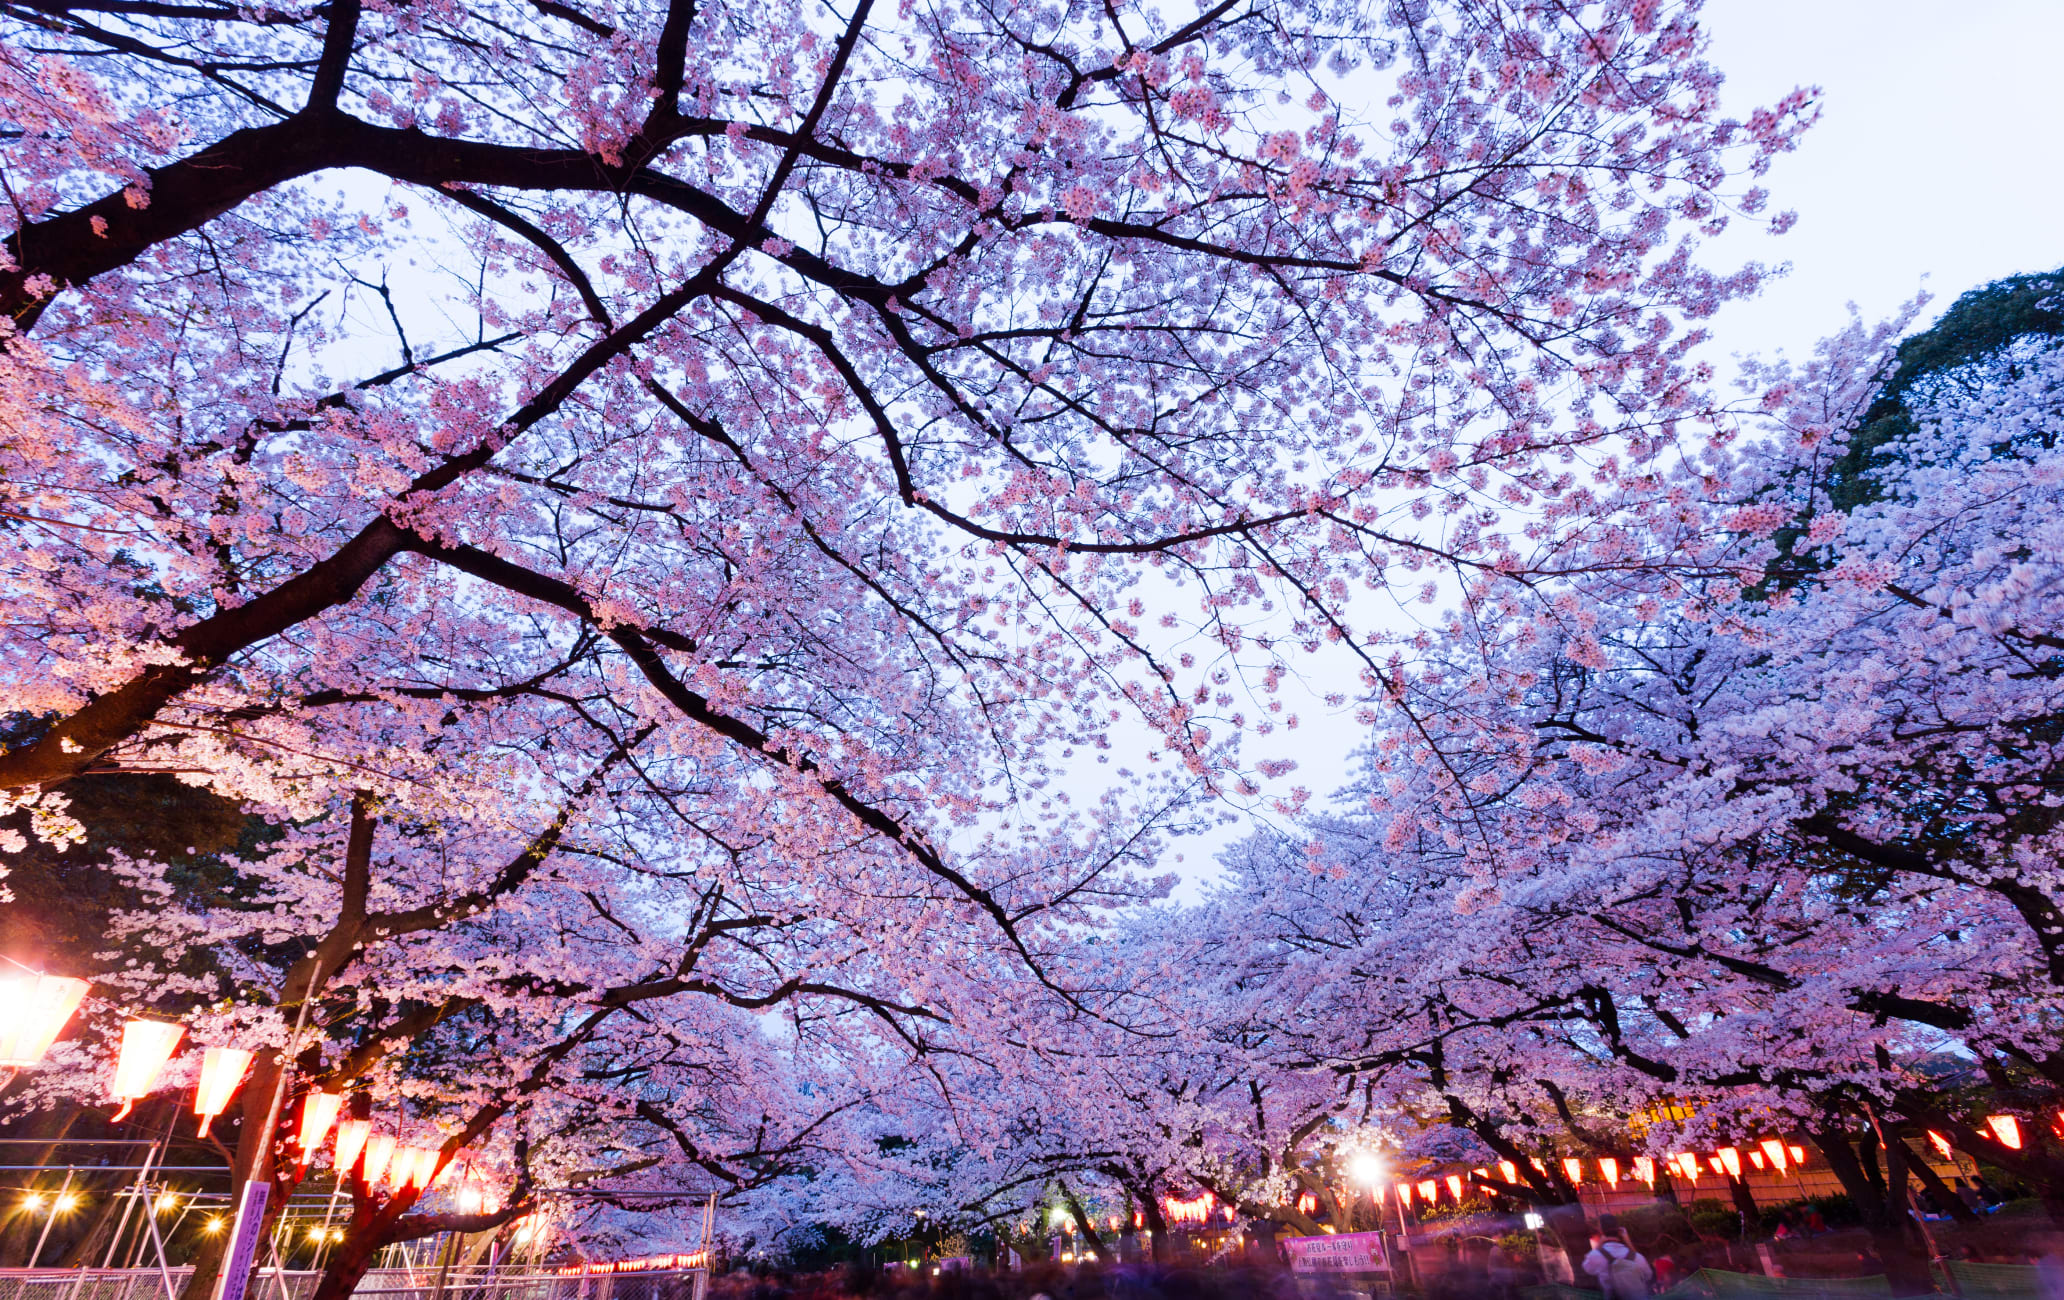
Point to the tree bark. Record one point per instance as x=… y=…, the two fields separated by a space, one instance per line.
x=1904 y=1267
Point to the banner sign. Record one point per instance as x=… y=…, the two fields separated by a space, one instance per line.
x=243 y=1240
x=1348 y=1252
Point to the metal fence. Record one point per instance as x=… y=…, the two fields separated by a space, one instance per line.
x=378 y=1284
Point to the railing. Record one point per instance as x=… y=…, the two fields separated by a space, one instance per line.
x=428 y=1283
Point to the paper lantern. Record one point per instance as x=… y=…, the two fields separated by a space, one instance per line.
x=1404 y=1194
x=1730 y=1160
x=1573 y=1168
x=1719 y=1165
x=1687 y=1164
x=351 y=1140
x=1798 y=1154
x=146 y=1046
x=318 y=1112
x=424 y=1160
x=1775 y=1151
x=1510 y=1170
x=2007 y=1129
x=33 y=1012
x=1756 y=1160
x=1428 y=1190
x=1609 y=1169
x=1644 y=1169
x=1455 y=1187
x=379 y=1153
x=222 y=1069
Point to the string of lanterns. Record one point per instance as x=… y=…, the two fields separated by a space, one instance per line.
x=34 y=1010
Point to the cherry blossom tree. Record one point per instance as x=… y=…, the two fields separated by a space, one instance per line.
x=1766 y=834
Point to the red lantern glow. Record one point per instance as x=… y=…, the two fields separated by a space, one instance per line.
x=1775 y=1150
x=33 y=1012
x=222 y=1069
x=146 y=1046
x=2007 y=1129
x=1609 y=1168
x=379 y=1154
x=351 y=1140
x=1644 y=1169
x=318 y=1112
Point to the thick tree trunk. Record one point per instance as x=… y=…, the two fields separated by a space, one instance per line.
x=255 y=1145
x=1885 y=1220
x=1940 y=1190
x=347 y=1268
x=1572 y=1231
x=1157 y=1227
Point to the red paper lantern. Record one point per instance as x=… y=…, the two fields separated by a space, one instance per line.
x=146 y=1046
x=33 y=1012
x=222 y=1069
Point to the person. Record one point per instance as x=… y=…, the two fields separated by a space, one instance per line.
x=1667 y=1272
x=1621 y=1271
x=1815 y=1225
x=1968 y=1195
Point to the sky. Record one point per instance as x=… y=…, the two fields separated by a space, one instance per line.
x=1937 y=165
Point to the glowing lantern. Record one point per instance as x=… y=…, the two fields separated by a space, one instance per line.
x=1428 y=1190
x=33 y=1012
x=422 y=1163
x=1539 y=1168
x=1730 y=1160
x=1775 y=1150
x=1719 y=1166
x=146 y=1046
x=1756 y=1160
x=1455 y=1187
x=2007 y=1129
x=1609 y=1168
x=351 y=1140
x=1798 y=1154
x=379 y=1153
x=1510 y=1170
x=1574 y=1169
x=222 y=1069
x=1687 y=1163
x=1644 y=1169
x=318 y=1112
x=1484 y=1174
x=1404 y=1194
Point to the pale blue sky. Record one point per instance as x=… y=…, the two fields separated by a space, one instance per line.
x=1938 y=164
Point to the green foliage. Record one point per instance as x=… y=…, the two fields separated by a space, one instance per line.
x=1520 y=1245
x=1983 y=333
x=1711 y=1218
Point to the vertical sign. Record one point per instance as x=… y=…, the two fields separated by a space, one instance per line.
x=243 y=1240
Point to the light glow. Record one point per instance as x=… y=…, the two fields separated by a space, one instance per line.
x=318 y=1112
x=222 y=1070
x=146 y=1046
x=2007 y=1129
x=1774 y=1151
x=33 y=1012
x=351 y=1141
x=379 y=1153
